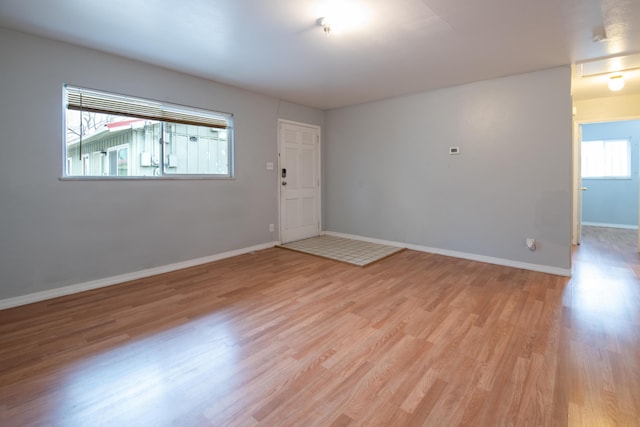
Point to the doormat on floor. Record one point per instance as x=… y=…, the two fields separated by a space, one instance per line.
x=354 y=252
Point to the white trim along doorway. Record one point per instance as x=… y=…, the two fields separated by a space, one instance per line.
x=576 y=235
x=299 y=180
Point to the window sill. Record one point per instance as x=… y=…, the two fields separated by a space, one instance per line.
x=608 y=178
x=148 y=178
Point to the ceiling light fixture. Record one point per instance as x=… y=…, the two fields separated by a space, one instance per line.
x=326 y=26
x=616 y=82
x=342 y=16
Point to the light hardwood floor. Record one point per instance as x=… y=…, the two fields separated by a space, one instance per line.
x=279 y=338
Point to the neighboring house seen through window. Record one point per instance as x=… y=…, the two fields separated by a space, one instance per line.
x=110 y=135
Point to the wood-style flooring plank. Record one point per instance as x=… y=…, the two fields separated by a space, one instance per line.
x=280 y=338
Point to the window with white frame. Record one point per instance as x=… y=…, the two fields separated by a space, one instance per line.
x=609 y=158
x=109 y=135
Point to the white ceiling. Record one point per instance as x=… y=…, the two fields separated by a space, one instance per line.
x=277 y=47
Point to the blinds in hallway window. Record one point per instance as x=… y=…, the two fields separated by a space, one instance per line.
x=606 y=159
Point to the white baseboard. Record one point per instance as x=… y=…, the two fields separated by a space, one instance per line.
x=602 y=224
x=472 y=257
x=114 y=280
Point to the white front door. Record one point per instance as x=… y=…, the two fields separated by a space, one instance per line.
x=299 y=177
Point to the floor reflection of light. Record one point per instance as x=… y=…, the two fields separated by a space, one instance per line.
x=140 y=379
x=602 y=296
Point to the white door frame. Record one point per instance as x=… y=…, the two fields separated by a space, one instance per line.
x=279 y=180
x=577 y=184
x=577 y=174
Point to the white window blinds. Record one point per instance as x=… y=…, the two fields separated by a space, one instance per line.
x=606 y=159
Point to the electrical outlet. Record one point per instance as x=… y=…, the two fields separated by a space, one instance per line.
x=531 y=244
x=272 y=228
x=269 y=166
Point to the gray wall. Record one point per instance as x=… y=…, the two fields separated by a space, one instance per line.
x=612 y=201
x=388 y=174
x=55 y=233
x=386 y=171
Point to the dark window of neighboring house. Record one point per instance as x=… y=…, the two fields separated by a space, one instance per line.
x=109 y=135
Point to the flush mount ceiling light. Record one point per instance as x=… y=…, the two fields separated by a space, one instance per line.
x=338 y=16
x=616 y=82
x=326 y=26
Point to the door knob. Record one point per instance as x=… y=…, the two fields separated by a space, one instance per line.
x=284 y=183
x=583 y=188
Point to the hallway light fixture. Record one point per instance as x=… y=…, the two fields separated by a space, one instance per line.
x=616 y=82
